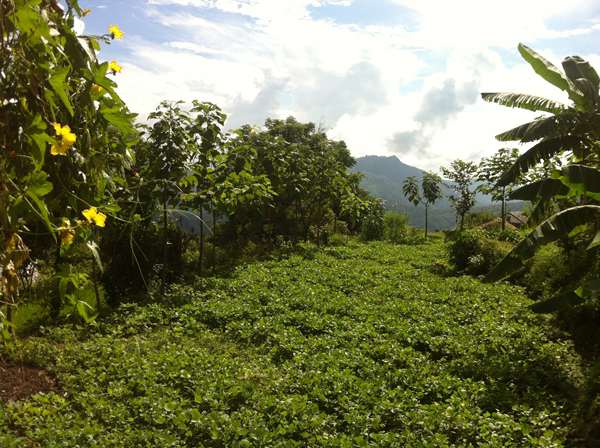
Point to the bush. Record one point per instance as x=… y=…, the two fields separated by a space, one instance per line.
x=395 y=228
x=133 y=260
x=372 y=224
x=473 y=252
x=338 y=240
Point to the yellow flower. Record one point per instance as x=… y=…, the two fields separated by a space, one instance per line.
x=64 y=140
x=115 y=32
x=60 y=149
x=93 y=216
x=84 y=224
x=114 y=67
x=64 y=135
x=66 y=234
x=98 y=89
x=86 y=11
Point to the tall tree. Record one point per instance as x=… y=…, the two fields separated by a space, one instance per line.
x=430 y=184
x=461 y=175
x=171 y=149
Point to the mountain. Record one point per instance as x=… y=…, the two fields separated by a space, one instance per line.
x=384 y=177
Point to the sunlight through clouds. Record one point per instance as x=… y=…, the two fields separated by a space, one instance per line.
x=410 y=88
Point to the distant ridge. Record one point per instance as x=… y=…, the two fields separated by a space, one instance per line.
x=390 y=167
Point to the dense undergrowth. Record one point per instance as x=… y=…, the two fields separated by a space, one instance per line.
x=365 y=345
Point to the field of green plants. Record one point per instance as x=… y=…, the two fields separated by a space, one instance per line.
x=354 y=346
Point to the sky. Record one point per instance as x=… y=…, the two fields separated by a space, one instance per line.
x=389 y=77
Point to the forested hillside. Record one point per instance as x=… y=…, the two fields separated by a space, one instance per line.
x=384 y=177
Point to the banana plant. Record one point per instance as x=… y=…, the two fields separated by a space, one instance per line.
x=570 y=130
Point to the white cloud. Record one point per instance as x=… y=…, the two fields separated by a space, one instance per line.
x=269 y=58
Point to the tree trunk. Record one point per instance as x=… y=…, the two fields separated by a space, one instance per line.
x=163 y=279
x=96 y=290
x=214 y=223
x=426 y=210
x=201 y=261
x=503 y=208
x=270 y=232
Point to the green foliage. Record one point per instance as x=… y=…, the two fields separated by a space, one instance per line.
x=343 y=347
x=372 y=223
x=430 y=184
x=133 y=266
x=571 y=130
x=65 y=133
x=395 y=228
x=473 y=252
x=461 y=174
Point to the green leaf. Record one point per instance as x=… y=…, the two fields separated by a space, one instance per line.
x=556 y=303
x=549 y=72
x=545 y=188
x=39 y=185
x=57 y=81
x=43 y=209
x=94 y=249
x=550 y=127
x=525 y=101
x=545 y=150
x=581 y=179
x=555 y=227
x=567 y=299
x=577 y=68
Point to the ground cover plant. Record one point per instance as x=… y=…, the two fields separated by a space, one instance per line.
x=350 y=346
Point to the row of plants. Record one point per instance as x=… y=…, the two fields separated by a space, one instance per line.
x=360 y=345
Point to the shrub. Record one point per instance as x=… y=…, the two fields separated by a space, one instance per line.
x=372 y=224
x=132 y=260
x=473 y=252
x=395 y=228
x=338 y=240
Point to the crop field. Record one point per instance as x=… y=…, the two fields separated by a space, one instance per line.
x=365 y=345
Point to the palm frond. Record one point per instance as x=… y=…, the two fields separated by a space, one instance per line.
x=528 y=102
x=545 y=188
x=549 y=127
x=545 y=150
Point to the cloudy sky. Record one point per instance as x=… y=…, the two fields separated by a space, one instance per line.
x=389 y=77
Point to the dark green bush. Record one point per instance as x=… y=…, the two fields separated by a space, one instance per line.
x=473 y=252
x=134 y=257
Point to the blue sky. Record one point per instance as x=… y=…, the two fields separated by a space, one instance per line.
x=390 y=77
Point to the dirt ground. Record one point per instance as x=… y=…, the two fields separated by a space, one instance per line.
x=18 y=382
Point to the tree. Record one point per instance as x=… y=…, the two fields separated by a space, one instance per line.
x=430 y=184
x=461 y=175
x=572 y=130
x=489 y=172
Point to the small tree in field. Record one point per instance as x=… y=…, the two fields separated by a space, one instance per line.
x=430 y=184
x=462 y=175
x=490 y=171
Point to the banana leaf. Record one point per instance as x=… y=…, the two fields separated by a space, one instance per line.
x=528 y=102
x=555 y=227
x=545 y=188
x=566 y=299
x=580 y=146
x=550 y=72
x=581 y=179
